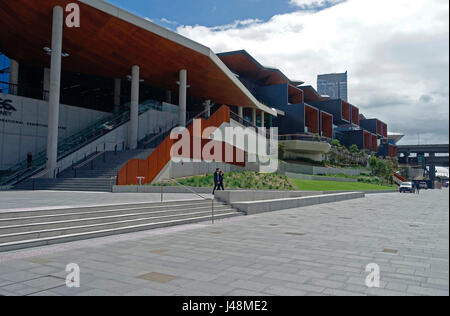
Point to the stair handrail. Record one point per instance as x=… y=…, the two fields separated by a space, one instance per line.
x=246 y=123
x=197 y=117
x=189 y=189
x=192 y=191
x=90 y=159
x=40 y=174
x=144 y=143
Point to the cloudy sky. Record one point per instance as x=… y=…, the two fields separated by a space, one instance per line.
x=395 y=51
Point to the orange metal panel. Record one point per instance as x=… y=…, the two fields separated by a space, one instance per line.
x=132 y=171
x=154 y=164
x=327 y=125
x=367 y=140
x=355 y=115
x=346 y=111
x=122 y=176
x=312 y=119
x=374 y=143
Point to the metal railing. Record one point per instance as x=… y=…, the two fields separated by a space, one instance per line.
x=153 y=140
x=306 y=137
x=245 y=123
x=89 y=160
x=192 y=191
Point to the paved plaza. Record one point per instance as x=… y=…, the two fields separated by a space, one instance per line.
x=12 y=200
x=317 y=250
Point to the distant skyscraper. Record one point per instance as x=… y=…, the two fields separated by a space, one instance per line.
x=333 y=85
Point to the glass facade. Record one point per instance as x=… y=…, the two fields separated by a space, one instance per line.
x=4 y=73
x=333 y=85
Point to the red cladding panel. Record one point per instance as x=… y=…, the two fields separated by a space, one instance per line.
x=355 y=115
x=327 y=125
x=391 y=151
x=296 y=99
x=379 y=128
x=367 y=140
x=312 y=119
x=346 y=115
x=374 y=143
x=149 y=168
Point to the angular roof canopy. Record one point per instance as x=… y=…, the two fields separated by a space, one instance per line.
x=243 y=64
x=111 y=40
x=395 y=136
x=311 y=94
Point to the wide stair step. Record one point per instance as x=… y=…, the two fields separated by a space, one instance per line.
x=68 y=184
x=24 y=229
x=105 y=166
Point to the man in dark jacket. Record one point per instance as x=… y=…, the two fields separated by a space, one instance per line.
x=221 y=186
x=216 y=180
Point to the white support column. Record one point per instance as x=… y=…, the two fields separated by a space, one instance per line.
x=182 y=97
x=133 y=128
x=208 y=108
x=46 y=86
x=169 y=96
x=241 y=111
x=254 y=116
x=13 y=76
x=54 y=94
x=117 y=90
x=262 y=118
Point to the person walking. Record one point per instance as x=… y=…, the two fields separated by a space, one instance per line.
x=221 y=176
x=216 y=180
x=417 y=188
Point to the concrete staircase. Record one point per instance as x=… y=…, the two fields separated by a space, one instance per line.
x=24 y=229
x=95 y=177
x=74 y=184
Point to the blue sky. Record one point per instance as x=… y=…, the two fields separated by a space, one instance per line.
x=205 y=12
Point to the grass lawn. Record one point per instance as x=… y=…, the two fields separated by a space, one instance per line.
x=310 y=185
x=272 y=181
x=239 y=180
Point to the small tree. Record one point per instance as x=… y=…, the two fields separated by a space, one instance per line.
x=316 y=138
x=373 y=164
x=354 y=149
x=336 y=143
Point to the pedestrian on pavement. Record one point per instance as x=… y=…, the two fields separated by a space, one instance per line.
x=221 y=176
x=216 y=180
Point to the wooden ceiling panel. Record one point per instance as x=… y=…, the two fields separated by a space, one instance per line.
x=107 y=46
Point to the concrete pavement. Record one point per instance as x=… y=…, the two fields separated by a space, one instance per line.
x=317 y=250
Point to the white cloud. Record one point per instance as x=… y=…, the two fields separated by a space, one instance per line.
x=396 y=53
x=311 y=4
x=166 y=21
